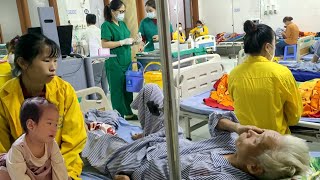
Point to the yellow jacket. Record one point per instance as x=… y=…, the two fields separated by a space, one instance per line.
x=200 y=31
x=71 y=135
x=182 y=38
x=265 y=94
x=5 y=73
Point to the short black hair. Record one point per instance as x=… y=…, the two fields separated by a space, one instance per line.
x=33 y=108
x=256 y=36
x=151 y=3
x=179 y=24
x=199 y=22
x=114 y=5
x=29 y=46
x=287 y=18
x=91 y=19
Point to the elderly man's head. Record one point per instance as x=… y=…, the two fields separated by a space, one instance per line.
x=271 y=155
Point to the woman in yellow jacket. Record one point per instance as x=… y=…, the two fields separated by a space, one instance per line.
x=200 y=30
x=36 y=62
x=6 y=62
x=179 y=33
x=265 y=93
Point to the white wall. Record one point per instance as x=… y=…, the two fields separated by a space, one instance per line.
x=73 y=11
x=217 y=14
x=176 y=7
x=9 y=19
x=33 y=10
x=97 y=7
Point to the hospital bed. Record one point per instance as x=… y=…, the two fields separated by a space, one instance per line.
x=241 y=57
x=229 y=48
x=303 y=48
x=196 y=82
x=86 y=104
x=206 y=41
x=124 y=130
x=300 y=67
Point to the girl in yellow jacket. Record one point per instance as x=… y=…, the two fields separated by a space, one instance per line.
x=182 y=36
x=200 y=30
x=35 y=63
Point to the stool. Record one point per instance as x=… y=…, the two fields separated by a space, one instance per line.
x=288 y=55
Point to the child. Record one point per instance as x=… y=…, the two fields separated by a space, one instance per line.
x=35 y=155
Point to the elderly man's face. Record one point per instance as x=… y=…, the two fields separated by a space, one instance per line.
x=252 y=144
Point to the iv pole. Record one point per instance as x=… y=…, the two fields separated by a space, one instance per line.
x=170 y=107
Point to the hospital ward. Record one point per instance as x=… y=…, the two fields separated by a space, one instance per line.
x=159 y=90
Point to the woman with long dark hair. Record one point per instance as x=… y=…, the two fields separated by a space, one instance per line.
x=116 y=36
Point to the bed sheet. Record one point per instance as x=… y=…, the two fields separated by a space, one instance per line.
x=307 y=57
x=302 y=76
x=303 y=71
x=125 y=130
x=236 y=39
x=195 y=104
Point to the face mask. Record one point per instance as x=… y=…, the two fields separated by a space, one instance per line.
x=120 y=17
x=11 y=58
x=273 y=53
x=151 y=15
x=180 y=29
x=199 y=26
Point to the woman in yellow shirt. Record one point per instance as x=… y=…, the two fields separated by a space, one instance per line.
x=265 y=94
x=290 y=35
x=200 y=30
x=182 y=36
x=35 y=66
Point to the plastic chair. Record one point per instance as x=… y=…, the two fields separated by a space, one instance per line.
x=288 y=55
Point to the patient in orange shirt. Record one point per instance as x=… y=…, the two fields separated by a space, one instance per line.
x=291 y=36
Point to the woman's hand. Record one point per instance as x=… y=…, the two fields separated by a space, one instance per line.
x=155 y=38
x=241 y=129
x=141 y=47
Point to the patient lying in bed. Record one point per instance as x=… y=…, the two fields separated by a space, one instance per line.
x=255 y=153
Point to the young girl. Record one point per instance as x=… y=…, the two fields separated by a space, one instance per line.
x=35 y=65
x=35 y=154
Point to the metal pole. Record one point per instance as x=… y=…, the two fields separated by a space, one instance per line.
x=170 y=107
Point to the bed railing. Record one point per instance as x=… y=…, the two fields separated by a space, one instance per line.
x=303 y=46
x=198 y=78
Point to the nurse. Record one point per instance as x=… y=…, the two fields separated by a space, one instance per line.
x=116 y=36
x=148 y=27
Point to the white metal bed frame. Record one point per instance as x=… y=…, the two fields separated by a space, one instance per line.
x=303 y=46
x=87 y=104
x=199 y=78
x=195 y=79
x=207 y=41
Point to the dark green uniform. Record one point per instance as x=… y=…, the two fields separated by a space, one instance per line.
x=148 y=28
x=116 y=67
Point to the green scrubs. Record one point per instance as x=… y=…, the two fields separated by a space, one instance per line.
x=117 y=66
x=148 y=28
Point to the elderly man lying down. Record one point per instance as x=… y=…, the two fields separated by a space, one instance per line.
x=233 y=151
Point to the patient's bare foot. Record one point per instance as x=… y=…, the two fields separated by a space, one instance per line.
x=121 y=177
